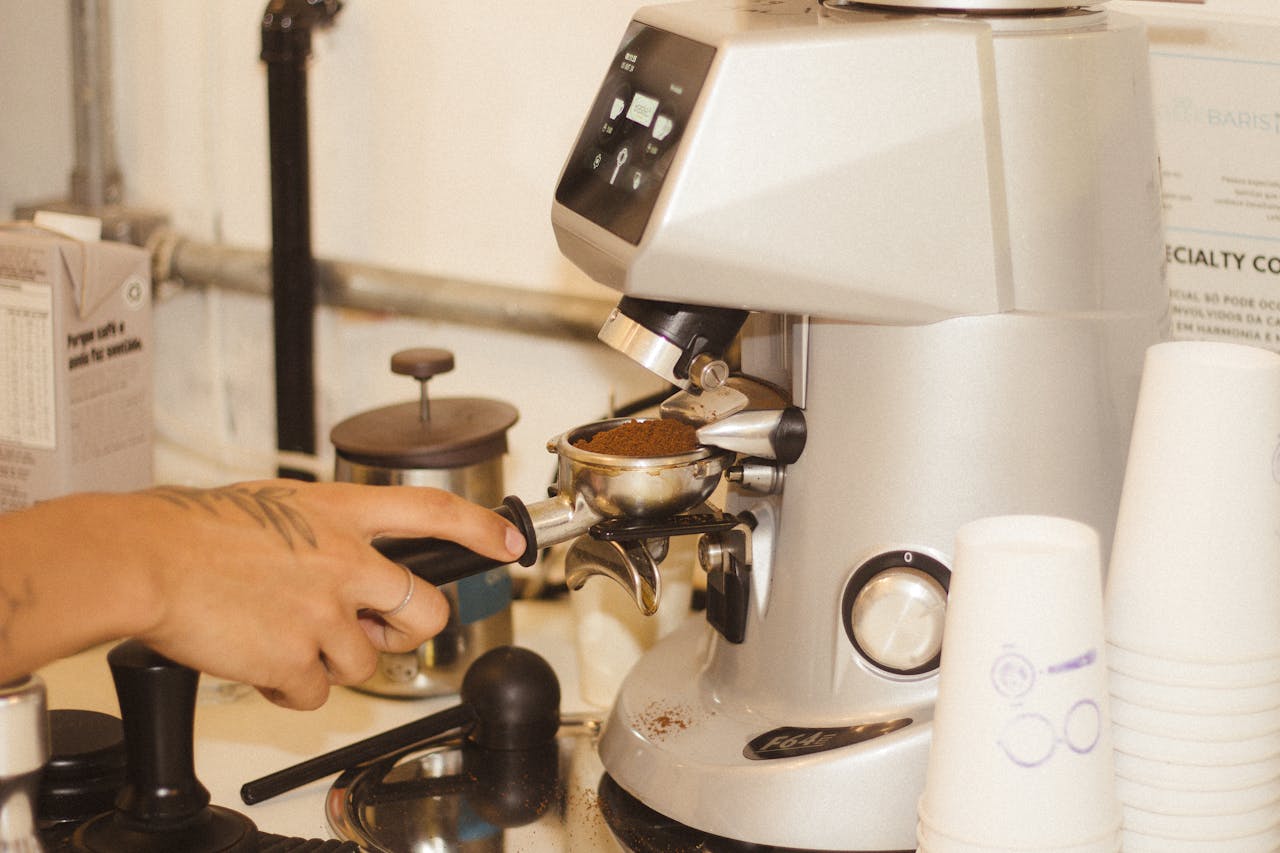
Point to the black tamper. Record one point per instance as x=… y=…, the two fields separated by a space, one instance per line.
x=510 y=701
x=162 y=807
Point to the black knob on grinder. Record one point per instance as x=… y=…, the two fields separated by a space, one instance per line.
x=163 y=807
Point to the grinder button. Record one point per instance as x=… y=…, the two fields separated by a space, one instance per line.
x=897 y=619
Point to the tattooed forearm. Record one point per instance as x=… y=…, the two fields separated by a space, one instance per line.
x=270 y=506
x=14 y=598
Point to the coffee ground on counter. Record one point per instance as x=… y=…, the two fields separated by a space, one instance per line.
x=660 y=437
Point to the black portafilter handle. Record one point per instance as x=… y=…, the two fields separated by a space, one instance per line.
x=439 y=561
x=510 y=700
x=162 y=806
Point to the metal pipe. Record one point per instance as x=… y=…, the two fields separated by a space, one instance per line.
x=365 y=287
x=286 y=47
x=97 y=185
x=95 y=177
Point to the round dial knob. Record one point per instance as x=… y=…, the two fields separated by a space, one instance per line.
x=896 y=619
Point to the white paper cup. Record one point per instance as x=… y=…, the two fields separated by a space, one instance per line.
x=1267 y=841
x=1197 y=827
x=1197 y=727
x=1190 y=777
x=1193 y=673
x=1195 y=562
x=1021 y=750
x=930 y=840
x=1181 y=698
x=1201 y=753
x=1149 y=798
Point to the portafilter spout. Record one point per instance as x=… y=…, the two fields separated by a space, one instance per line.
x=631 y=564
x=590 y=488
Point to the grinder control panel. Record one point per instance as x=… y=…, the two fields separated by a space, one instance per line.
x=629 y=139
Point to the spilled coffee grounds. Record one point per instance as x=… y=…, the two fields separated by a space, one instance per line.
x=643 y=438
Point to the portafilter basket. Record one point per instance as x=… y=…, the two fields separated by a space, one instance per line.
x=641 y=487
x=590 y=487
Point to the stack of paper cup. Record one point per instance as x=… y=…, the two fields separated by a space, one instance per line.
x=1193 y=604
x=1021 y=753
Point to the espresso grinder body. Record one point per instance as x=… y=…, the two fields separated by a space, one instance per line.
x=942 y=229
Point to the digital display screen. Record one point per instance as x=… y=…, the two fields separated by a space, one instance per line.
x=630 y=137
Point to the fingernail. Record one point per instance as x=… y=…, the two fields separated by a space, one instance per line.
x=515 y=542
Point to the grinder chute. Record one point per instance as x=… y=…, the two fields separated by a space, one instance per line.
x=683 y=344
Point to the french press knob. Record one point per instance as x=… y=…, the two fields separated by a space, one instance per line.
x=422 y=363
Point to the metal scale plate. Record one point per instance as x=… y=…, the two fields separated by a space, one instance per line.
x=433 y=798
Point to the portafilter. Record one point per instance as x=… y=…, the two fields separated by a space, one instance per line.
x=591 y=490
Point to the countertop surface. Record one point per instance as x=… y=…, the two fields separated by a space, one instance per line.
x=240 y=736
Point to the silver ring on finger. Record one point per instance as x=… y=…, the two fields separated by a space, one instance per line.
x=408 y=596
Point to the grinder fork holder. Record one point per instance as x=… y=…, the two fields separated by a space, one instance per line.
x=621 y=509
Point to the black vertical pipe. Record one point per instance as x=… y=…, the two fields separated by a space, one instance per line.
x=286 y=47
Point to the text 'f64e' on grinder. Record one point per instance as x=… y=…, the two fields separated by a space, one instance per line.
x=933 y=238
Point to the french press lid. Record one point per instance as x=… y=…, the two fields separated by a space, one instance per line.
x=450 y=432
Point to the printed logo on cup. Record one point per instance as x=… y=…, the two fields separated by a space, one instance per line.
x=1030 y=739
x=1012 y=675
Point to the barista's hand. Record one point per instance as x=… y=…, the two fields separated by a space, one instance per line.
x=272 y=583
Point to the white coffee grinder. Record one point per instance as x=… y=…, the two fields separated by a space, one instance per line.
x=904 y=263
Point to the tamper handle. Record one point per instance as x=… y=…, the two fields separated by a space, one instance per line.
x=162 y=808
x=157 y=706
x=439 y=561
x=510 y=701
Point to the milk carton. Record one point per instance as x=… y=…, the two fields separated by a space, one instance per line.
x=75 y=361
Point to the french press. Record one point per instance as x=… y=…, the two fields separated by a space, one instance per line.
x=456 y=444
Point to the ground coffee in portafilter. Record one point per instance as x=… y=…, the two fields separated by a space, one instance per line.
x=643 y=438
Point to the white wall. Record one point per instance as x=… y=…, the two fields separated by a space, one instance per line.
x=437 y=133
x=35 y=101
x=438 y=128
